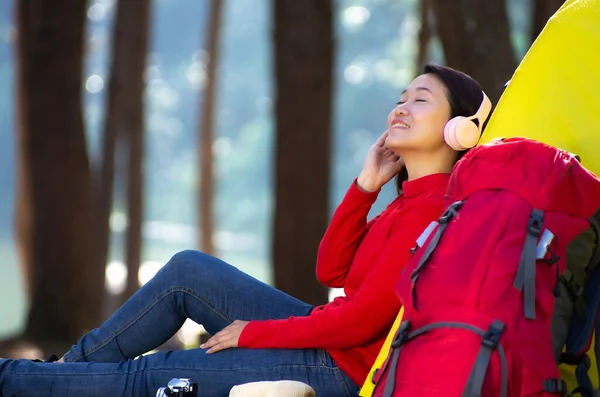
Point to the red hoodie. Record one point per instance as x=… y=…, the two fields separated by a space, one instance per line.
x=365 y=259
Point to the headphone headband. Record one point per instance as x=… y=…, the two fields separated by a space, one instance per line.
x=462 y=133
x=483 y=112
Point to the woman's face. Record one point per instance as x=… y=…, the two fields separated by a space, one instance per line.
x=417 y=123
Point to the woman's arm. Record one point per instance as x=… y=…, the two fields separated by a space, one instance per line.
x=356 y=321
x=344 y=234
x=349 y=224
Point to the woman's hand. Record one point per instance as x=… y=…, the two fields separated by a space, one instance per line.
x=380 y=166
x=226 y=338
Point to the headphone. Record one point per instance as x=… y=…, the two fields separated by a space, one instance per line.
x=462 y=133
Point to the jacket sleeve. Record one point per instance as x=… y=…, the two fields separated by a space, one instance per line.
x=352 y=322
x=343 y=236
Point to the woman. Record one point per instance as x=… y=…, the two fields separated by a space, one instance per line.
x=260 y=333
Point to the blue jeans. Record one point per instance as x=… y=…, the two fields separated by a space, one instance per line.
x=191 y=285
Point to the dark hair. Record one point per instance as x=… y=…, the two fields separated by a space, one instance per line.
x=464 y=95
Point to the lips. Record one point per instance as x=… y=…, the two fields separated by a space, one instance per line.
x=396 y=123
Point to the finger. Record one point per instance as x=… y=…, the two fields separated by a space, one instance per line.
x=381 y=140
x=220 y=346
x=215 y=349
x=214 y=340
x=391 y=156
x=388 y=153
x=209 y=343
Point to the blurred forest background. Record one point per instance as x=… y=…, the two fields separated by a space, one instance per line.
x=133 y=129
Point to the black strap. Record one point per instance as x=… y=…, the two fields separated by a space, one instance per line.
x=583 y=391
x=583 y=364
x=596 y=227
x=575 y=360
x=525 y=279
x=582 y=375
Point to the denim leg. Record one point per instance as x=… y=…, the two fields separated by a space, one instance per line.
x=215 y=374
x=191 y=285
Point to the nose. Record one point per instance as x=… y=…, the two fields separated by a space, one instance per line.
x=401 y=110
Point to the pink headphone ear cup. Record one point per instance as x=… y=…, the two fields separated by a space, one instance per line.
x=468 y=134
x=461 y=133
x=450 y=133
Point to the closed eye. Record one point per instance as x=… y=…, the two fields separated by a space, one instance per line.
x=416 y=100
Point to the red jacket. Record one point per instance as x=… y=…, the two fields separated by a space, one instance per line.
x=365 y=259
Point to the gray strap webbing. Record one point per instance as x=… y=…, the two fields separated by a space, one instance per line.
x=391 y=380
x=450 y=213
x=428 y=251
x=421 y=265
x=525 y=279
x=401 y=336
x=477 y=376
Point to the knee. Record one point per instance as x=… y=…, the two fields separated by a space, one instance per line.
x=191 y=262
x=189 y=256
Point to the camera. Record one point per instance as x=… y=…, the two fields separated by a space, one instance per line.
x=178 y=387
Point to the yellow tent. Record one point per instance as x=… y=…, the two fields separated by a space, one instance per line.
x=553 y=97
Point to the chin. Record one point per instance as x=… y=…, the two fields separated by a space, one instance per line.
x=398 y=144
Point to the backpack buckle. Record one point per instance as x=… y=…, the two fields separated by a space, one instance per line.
x=374 y=378
x=401 y=335
x=451 y=212
x=536 y=219
x=555 y=386
x=491 y=338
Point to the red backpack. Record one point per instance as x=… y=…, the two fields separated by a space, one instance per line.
x=480 y=290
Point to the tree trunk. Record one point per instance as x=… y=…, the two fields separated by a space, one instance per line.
x=206 y=133
x=53 y=150
x=493 y=59
x=105 y=174
x=476 y=39
x=22 y=219
x=304 y=51
x=542 y=11
x=450 y=27
x=424 y=34
x=132 y=46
